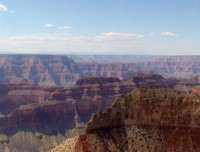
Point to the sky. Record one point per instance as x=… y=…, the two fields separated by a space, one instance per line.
x=153 y=27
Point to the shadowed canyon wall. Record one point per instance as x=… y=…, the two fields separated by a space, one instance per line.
x=147 y=119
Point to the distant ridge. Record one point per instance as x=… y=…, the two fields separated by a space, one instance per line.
x=65 y=70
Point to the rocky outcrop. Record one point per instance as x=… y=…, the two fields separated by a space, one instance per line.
x=147 y=106
x=147 y=119
x=196 y=90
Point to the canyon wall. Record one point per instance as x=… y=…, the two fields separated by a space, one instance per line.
x=34 y=117
x=47 y=70
x=60 y=70
x=148 y=119
x=43 y=116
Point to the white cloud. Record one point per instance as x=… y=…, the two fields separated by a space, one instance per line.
x=103 y=37
x=112 y=42
x=38 y=38
x=117 y=36
x=66 y=27
x=110 y=36
x=48 y=25
x=3 y=8
x=103 y=42
x=168 y=34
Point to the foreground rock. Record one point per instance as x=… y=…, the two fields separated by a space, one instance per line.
x=145 y=120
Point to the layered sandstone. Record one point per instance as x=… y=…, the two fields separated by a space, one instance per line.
x=60 y=70
x=168 y=66
x=47 y=70
x=147 y=119
x=42 y=117
x=147 y=106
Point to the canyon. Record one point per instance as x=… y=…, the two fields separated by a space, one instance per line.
x=147 y=119
x=46 y=99
x=61 y=70
x=43 y=116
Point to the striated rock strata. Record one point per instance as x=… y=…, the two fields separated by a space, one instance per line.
x=49 y=70
x=60 y=70
x=146 y=119
x=34 y=117
x=43 y=116
x=168 y=66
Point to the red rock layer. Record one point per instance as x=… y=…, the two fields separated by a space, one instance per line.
x=147 y=119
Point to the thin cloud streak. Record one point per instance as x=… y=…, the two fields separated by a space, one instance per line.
x=112 y=42
x=66 y=43
x=111 y=36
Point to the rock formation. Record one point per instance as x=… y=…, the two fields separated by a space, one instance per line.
x=45 y=99
x=147 y=119
x=168 y=66
x=47 y=70
x=34 y=117
x=60 y=70
x=43 y=116
x=196 y=90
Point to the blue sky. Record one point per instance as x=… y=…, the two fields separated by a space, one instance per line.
x=157 y=27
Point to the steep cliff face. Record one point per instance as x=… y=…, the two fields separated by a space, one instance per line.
x=33 y=117
x=43 y=116
x=171 y=66
x=60 y=70
x=43 y=69
x=48 y=115
x=146 y=106
x=116 y=70
x=178 y=66
x=147 y=119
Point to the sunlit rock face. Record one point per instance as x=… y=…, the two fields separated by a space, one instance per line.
x=168 y=66
x=60 y=70
x=48 y=70
x=147 y=119
x=196 y=90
